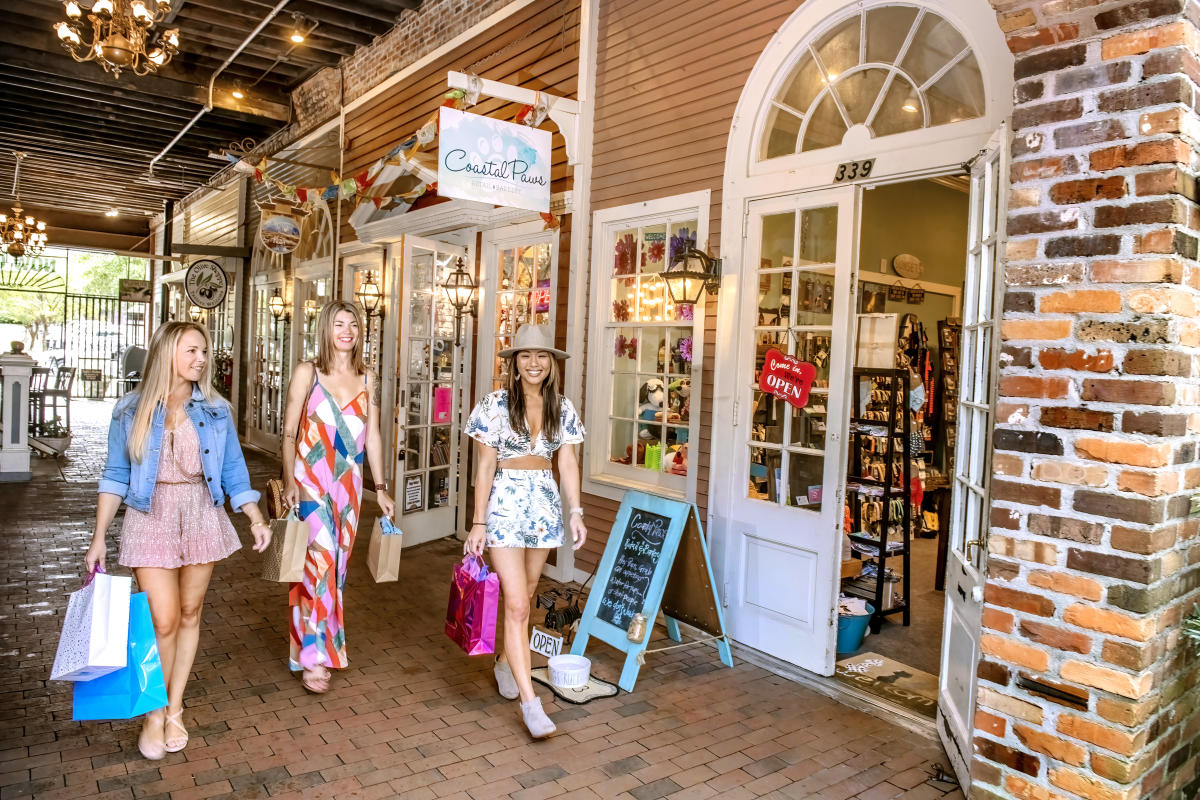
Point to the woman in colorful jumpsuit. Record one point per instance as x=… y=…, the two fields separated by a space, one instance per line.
x=518 y=510
x=173 y=458
x=332 y=420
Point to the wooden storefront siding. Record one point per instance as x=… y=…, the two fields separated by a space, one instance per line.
x=661 y=129
x=535 y=48
x=212 y=219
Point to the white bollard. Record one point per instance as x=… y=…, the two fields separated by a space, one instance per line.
x=14 y=418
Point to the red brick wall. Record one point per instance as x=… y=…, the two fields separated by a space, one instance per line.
x=1093 y=559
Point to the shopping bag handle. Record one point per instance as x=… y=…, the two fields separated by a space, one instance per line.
x=92 y=573
x=481 y=567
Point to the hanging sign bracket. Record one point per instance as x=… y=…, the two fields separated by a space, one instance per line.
x=564 y=112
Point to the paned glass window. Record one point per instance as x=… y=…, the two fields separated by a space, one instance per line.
x=795 y=316
x=650 y=350
x=891 y=69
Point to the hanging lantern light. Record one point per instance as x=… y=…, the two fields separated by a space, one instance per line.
x=460 y=290
x=369 y=296
x=691 y=274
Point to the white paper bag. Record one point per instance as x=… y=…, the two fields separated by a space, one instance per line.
x=95 y=631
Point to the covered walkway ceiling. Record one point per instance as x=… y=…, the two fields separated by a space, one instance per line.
x=90 y=137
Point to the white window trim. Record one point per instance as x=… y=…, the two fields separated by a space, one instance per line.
x=495 y=240
x=602 y=477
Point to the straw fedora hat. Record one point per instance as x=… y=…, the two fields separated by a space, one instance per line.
x=533 y=337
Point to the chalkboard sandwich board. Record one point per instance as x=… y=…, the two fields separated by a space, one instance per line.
x=656 y=557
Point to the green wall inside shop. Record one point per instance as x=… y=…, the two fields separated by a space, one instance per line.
x=922 y=218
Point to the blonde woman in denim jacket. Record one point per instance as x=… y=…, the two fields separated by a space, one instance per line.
x=173 y=458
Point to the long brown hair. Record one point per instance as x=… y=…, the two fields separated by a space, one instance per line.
x=325 y=346
x=155 y=385
x=551 y=398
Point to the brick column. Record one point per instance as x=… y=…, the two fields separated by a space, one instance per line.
x=1087 y=688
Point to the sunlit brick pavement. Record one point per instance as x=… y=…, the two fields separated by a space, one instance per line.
x=412 y=717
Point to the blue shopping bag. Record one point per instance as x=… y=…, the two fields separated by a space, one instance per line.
x=136 y=688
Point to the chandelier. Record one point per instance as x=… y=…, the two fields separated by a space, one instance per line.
x=21 y=235
x=120 y=29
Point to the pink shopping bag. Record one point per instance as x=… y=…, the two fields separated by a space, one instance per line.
x=474 y=602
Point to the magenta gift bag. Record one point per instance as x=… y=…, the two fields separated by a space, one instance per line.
x=474 y=601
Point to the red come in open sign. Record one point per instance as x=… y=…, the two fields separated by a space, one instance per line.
x=787 y=377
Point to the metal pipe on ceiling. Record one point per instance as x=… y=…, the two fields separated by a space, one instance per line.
x=212 y=81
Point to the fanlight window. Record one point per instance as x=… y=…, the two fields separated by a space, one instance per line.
x=891 y=69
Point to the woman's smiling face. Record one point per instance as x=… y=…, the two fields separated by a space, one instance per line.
x=345 y=331
x=533 y=366
x=190 y=356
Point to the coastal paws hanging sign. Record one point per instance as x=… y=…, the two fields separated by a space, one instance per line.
x=491 y=161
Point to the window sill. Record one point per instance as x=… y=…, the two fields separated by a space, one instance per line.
x=613 y=487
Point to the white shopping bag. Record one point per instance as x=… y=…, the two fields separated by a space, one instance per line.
x=95 y=631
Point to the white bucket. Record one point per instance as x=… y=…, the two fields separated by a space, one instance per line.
x=569 y=672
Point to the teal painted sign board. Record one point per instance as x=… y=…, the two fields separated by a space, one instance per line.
x=656 y=557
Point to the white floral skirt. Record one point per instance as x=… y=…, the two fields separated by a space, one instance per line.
x=524 y=509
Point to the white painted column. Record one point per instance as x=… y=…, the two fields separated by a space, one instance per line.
x=14 y=455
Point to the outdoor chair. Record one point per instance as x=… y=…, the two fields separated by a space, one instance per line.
x=64 y=379
x=39 y=381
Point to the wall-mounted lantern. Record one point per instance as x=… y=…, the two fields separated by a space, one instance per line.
x=369 y=296
x=460 y=290
x=692 y=273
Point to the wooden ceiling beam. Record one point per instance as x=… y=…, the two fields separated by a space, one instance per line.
x=270 y=106
x=277 y=34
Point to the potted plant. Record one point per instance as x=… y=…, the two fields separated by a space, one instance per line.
x=55 y=435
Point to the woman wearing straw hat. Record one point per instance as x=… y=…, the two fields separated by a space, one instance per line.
x=518 y=510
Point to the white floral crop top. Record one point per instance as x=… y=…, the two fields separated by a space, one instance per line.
x=488 y=424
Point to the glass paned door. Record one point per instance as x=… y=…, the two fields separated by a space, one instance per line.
x=270 y=357
x=430 y=385
x=311 y=296
x=525 y=295
x=970 y=504
x=788 y=473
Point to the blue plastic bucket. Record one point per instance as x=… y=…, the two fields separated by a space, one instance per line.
x=852 y=630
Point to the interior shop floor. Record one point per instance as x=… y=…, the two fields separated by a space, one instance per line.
x=920 y=644
x=411 y=717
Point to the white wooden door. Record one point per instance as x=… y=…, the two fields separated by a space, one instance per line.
x=429 y=390
x=783 y=562
x=979 y=348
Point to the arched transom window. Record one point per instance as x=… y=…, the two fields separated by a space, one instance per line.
x=889 y=69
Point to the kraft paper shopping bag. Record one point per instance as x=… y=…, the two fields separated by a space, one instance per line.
x=383 y=553
x=95 y=628
x=283 y=560
x=136 y=688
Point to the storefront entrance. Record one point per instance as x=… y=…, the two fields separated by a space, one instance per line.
x=850 y=101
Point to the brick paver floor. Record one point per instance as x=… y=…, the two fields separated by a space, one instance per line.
x=412 y=717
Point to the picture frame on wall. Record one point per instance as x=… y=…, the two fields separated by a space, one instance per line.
x=874 y=299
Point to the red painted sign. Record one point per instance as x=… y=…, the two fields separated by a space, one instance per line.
x=787 y=378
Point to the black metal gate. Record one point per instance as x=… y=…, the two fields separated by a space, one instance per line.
x=97 y=332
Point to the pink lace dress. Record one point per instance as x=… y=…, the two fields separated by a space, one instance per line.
x=183 y=526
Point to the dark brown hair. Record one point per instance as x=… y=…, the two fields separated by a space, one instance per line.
x=551 y=398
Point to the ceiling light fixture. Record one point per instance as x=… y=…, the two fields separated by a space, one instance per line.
x=911 y=104
x=301 y=28
x=237 y=92
x=112 y=212
x=21 y=235
x=121 y=34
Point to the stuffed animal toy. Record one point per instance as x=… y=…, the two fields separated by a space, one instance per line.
x=651 y=399
x=681 y=396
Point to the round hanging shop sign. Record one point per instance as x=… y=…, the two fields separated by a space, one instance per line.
x=206 y=284
x=280 y=233
x=908 y=266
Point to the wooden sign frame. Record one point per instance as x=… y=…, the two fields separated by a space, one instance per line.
x=682 y=585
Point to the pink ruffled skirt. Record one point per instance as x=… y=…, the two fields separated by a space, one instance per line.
x=183 y=527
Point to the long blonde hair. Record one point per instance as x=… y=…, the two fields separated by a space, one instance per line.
x=325 y=346
x=551 y=398
x=156 y=381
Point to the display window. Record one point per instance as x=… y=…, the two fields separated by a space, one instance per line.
x=642 y=413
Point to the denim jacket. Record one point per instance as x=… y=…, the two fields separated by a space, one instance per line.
x=220 y=454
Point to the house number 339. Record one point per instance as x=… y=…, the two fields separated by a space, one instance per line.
x=853 y=170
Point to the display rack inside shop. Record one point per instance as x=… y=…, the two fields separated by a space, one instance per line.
x=879 y=487
x=949 y=334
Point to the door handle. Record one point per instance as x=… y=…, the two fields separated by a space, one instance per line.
x=973 y=543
